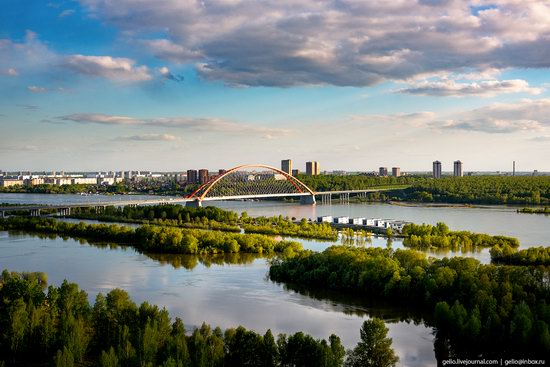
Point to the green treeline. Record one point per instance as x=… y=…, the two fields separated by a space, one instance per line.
x=426 y=236
x=478 y=310
x=210 y=218
x=156 y=238
x=173 y=215
x=531 y=256
x=59 y=326
x=482 y=190
x=545 y=210
x=286 y=227
x=354 y=182
x=466 y=190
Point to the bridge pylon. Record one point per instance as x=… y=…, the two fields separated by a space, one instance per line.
x=307 y=200
x=197 y=203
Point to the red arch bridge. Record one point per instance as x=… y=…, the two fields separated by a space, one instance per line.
x=251 y=181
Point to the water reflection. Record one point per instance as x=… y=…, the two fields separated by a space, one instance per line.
x=224 y=290
x=190 y=262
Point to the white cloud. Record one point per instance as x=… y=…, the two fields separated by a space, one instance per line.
x=148 y=137
x=483 y=88
x=101 y=119
x=10 y=72
x=542 y=139
x=205 y=125
x=114 y=68
x=524 y=116
x=66 y=13
x=36 y=89
x=351 y=43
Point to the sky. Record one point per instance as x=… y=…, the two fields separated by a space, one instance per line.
x=169 y=85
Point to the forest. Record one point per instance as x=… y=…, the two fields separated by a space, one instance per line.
x=481 y=190
x=355 y=182
x=157 y=238
x=426 y=236
x=58 y=325
x=545 y=210
x=531 y=256
x=477 y=310
x=210 y=218
x=533 y=190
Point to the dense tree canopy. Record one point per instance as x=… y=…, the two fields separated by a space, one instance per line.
x=60 y=326
x=531 y=256
x=426 y=236
x=483 y=309
x=158 y=238
x=482 y=190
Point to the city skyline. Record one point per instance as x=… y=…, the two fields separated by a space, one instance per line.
x=98 y=85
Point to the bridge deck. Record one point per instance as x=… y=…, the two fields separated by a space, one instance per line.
x=175 y=201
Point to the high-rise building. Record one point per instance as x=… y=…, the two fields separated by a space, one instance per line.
x=458 y=169
x=295 y=172
x=221 y=171
x=396 y=171
x=192 y=176
x=286 y=166
x=312 y=168
x=437 y=169
x=203 y=176
x=383 y=171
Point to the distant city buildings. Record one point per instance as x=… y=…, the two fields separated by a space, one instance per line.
x=192 y=176
x=436 y=169
x=203 y=176
x=383 y=171
x=458 y=169
x=286 y=166
x=396 y=171
x=312 y=168
x=295 y=172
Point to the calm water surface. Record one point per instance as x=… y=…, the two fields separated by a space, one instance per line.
x=224 y=291
x=234 y=290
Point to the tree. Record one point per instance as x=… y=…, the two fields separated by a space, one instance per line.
x=374 y=349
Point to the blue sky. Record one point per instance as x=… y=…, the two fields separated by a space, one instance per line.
x=177 y=84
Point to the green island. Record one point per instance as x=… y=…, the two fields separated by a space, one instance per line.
x=426 y=236
x=545 y=210
x=530 y=256
x=477 y=310
x=210 y=218
x=60 y=327
x=157 y=239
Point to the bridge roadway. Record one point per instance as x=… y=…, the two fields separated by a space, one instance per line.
x=162 y=200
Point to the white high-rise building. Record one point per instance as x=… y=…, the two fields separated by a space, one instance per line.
x=458 y=169
x=437 y=169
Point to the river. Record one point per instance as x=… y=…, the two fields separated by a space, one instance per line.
x=224 y=291
x=234 y=290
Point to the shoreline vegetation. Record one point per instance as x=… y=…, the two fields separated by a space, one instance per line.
x=428 y=237
x=531 y=256
x=545 y=210
x=210 y=218
x=478 y=310
x=492 y=190
x=158 y=239
x=59 y=326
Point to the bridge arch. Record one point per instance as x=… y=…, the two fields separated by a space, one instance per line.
x=245 y=181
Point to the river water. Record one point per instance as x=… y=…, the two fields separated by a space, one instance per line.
x=234 y=290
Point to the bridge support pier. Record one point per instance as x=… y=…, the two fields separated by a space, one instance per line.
x=194 y=204
x=2 y=214
x=62 y=212
x=307 y=200
x=35 y=213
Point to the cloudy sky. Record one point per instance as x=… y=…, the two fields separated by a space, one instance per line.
x=354 y=84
